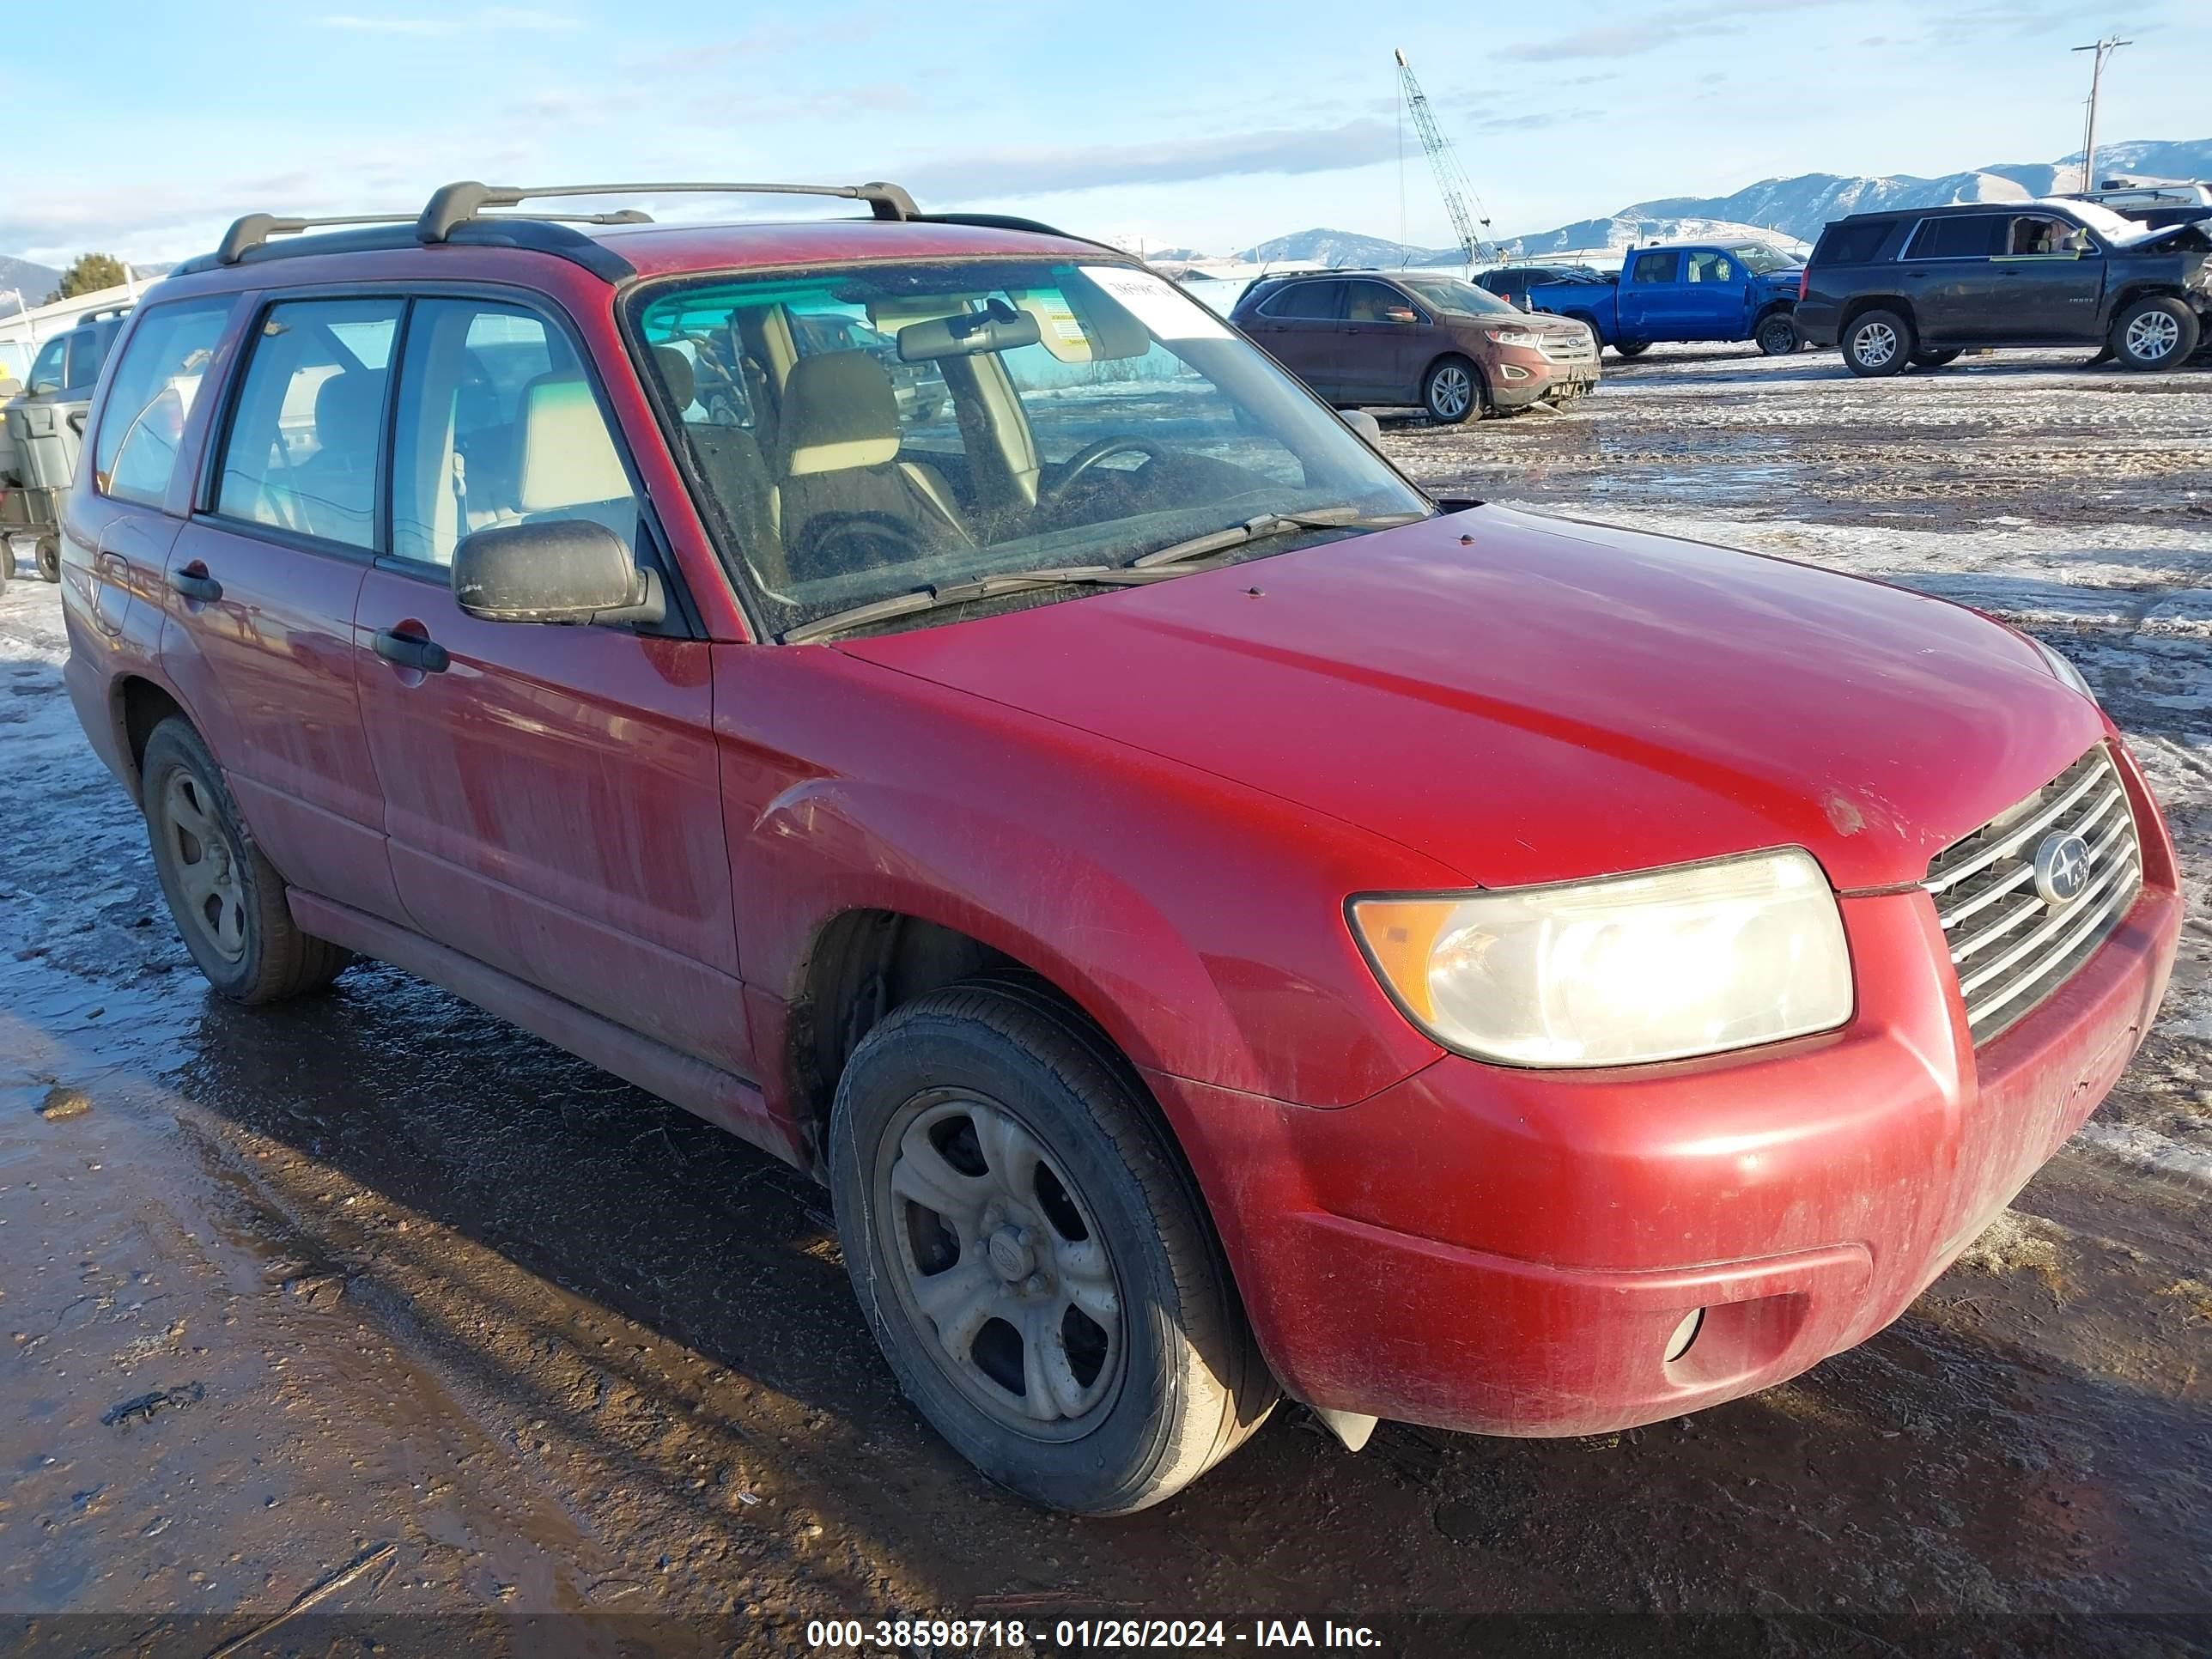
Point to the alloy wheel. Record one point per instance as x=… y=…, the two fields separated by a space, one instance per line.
x=1450 y=392
x=999 y=1266
x=2152 y=336
x=1875 y=344
x=207 y=866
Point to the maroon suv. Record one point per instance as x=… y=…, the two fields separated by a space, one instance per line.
x=1453 y=349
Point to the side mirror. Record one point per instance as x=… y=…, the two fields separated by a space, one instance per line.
x=1399 y=314
x=556 y=571
x=1364 y=423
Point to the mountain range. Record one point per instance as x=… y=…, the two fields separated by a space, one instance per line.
x=1793 y=210
x=33 y=282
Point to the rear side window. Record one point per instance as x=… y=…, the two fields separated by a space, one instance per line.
x=497 y=425
x=1654 y=267
x=156 y=379
x=1851 y=245
x=1307 y=301
x=1970 y=236
x=302 y=450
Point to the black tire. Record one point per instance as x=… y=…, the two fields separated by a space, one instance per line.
x=1776 y=334
x=50 y=558
x=1936 y=359
x=1632 y=347
x=1187 y=1383
x=1877 y=343
x=1452 y=390
x=272 y=958
x=7 y=561
x=2156 y=332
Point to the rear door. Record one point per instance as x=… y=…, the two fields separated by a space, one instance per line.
x=2050 y=276
x=1299 y=325
x=261 y=584
x=1651 y=284
x=1388 y=340
x=1716 y=296
x=551 y=793
x=1952 y=278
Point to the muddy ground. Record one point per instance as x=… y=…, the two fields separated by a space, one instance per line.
x=376 y=1296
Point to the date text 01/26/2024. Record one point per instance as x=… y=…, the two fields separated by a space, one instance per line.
x=1085 y=1635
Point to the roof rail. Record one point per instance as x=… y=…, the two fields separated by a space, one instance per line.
x=255 y=229
x=452 y=205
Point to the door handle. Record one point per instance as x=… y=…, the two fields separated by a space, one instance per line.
x=412 y=651
x=195 y=585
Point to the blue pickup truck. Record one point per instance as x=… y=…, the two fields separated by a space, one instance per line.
x=1689 y=292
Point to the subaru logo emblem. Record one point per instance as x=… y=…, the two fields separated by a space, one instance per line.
x=2062 y=869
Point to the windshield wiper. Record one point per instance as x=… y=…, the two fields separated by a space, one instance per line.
x=983 y=587
x=1269 y=524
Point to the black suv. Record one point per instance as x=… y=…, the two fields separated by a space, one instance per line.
x=1919 y=286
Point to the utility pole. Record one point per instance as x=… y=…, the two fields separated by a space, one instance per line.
x=2104 y=48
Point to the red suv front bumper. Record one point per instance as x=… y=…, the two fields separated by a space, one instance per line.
x=1513 y=1252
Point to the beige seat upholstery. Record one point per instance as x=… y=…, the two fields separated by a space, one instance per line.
x=569 y=468
x=844 y=498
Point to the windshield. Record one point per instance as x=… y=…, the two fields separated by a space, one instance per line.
x=1759 y=259
x=1449 y=293
x=866 y=431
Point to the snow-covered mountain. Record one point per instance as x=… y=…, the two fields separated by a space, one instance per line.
x=1777 y=210
x=34 y=282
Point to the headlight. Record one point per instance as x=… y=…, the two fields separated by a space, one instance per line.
x=1515 y=337
x=2063 y=670
x=1694 y=960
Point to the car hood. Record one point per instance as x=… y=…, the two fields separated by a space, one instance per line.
x=1528 y=699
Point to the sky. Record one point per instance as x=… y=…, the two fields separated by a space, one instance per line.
x=1154 y=121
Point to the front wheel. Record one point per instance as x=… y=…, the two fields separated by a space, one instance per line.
x=1032 y=1258
x=1632 y=347
x=1878 y=343
x=227 y=898
x=1777 y=335
x=1451 y=391
x=50 y=558
x=2155 y=332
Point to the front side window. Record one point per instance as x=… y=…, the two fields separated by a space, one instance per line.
x=1373 y=302
x=1095 y=413
x=1654 y=267
x=497 y=424
x=2040 y=235
x=87 y=350
x=302 y=453
x=1708 y=266
x=46 y=373
x=143 y=419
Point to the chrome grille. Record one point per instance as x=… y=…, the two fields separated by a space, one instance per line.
x=1577 y=347
x=2010 y=945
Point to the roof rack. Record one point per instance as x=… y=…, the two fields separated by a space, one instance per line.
x=256 y=228
x=455 y=204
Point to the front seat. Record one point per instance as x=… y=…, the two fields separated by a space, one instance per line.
x=845 y=501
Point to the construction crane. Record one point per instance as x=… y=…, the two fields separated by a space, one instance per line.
x=1460 y=199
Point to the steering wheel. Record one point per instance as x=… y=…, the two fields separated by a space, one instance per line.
x=1088 y=457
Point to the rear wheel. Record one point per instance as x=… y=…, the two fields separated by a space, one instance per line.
x=1031 y=1256
x=1451 y=391
x=1877 y=342
x=1935 y=359
x=2155 y=332
x=50 y=558
x=1632 y=347
x=1776 y=334
x=226 y=897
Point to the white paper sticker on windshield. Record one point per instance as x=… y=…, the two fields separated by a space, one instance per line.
x=1154 y=301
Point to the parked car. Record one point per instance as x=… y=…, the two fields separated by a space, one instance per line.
x=1512 y=283
x=920 y=387
x=1917 y=285
x=1744 y=291
x=1368 y=338
x=1222 y=923
x=44 y=430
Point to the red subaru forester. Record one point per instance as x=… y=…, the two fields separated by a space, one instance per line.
x=1222 y=923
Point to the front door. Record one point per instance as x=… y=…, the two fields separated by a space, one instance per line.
x=260 y=588
x=550 y=792
x=1386 y=342
x=1716 y=296
x=2049 y=279
x=1299 y=326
